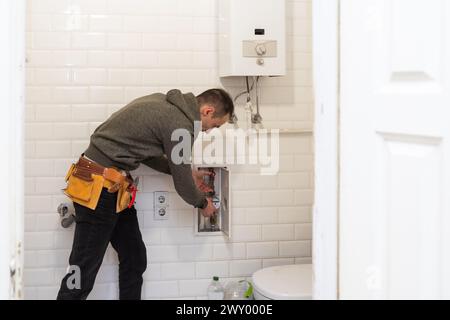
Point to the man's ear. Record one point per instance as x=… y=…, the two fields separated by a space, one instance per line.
x=207 y=109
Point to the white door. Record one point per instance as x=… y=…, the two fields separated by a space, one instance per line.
x=12 y=59
x=395 y=149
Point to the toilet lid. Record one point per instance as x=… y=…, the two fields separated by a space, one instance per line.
x=289 y=282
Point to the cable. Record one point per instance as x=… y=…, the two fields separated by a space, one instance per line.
x=256 y=118
x=247 y=91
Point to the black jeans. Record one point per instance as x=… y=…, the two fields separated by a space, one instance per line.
x=93 y=232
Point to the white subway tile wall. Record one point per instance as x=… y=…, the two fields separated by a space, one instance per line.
x=88 y=58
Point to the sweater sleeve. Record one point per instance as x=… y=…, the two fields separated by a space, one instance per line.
x=182 y=175
x=160 y=164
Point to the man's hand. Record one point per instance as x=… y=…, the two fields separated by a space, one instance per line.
x=209 y=209
x=198 y=175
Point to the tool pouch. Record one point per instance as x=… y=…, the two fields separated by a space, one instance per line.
x=83 y=188
x=123 y=197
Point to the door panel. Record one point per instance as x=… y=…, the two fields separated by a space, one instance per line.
x=407 y=216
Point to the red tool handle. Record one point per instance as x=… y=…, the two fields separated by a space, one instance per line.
x=133 y=190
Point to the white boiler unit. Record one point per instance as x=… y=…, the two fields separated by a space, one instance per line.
x=252 y=38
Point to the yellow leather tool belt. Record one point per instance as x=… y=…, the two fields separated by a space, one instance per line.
x=85 y=180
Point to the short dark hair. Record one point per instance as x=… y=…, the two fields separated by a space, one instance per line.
x=219 y=99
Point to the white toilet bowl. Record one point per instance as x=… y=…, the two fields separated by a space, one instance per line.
x=289 y=282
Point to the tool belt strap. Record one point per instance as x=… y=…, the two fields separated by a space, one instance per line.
x=84 y=168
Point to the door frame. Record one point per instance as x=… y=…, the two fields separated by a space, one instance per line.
x=12 y=92
x=326 y=62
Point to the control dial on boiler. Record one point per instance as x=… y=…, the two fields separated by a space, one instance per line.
x=261 y=49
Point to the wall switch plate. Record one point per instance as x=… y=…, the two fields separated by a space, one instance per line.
x=161 y=205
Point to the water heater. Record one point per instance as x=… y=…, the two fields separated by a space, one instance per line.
x=252 y=38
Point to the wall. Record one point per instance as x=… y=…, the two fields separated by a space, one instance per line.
x=86 y=59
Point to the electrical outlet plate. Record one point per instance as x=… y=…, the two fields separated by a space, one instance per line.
x=161 y=199
x=161 y=205
x=161 y=213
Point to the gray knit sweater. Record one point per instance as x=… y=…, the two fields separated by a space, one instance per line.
x=141 y=132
